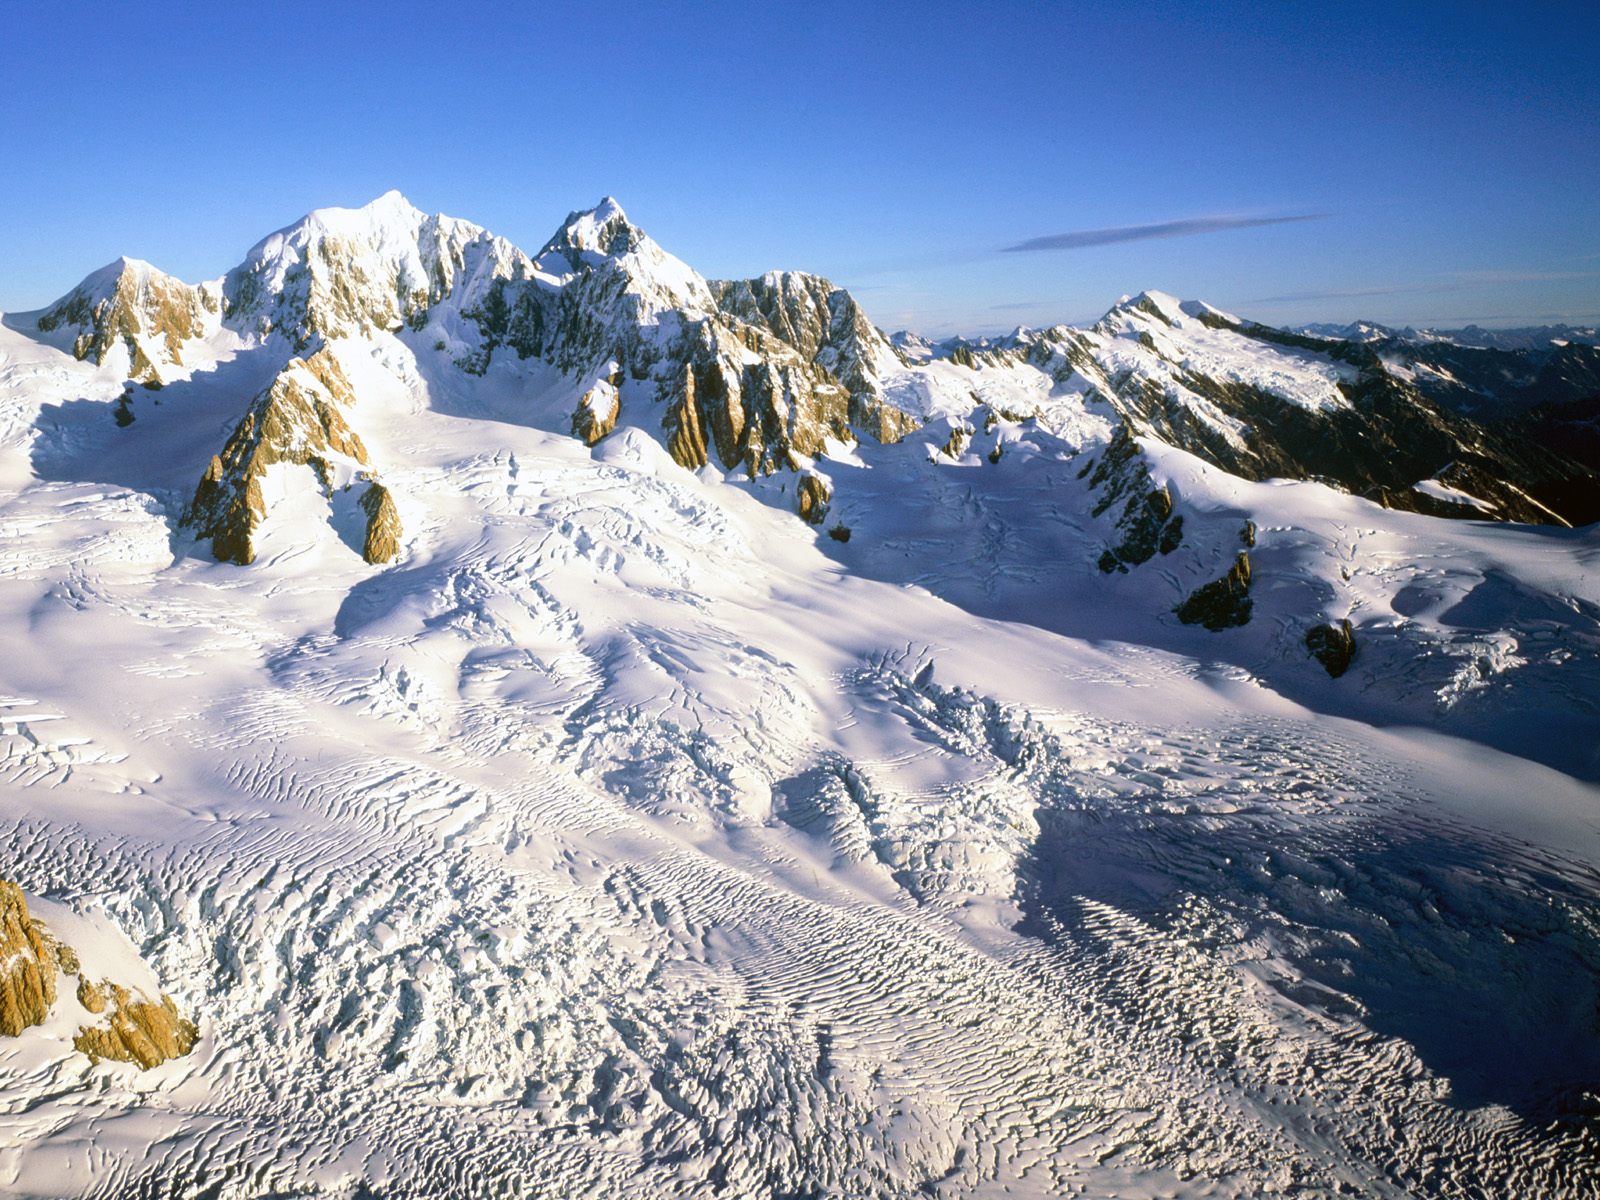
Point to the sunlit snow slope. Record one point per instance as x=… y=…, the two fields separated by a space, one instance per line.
x=625 y=833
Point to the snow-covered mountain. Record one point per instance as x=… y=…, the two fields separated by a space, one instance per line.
x=477 y=720
x=133 y=318
x=1528 y=337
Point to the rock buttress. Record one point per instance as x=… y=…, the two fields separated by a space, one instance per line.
x=383 y=525
x=298 y=419
x=28 y=964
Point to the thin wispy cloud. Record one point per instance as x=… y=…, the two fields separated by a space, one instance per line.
x=1188 y=227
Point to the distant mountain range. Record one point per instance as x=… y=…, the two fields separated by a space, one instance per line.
x=1527 y=337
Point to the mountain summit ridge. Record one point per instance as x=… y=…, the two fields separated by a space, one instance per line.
x=763 y=375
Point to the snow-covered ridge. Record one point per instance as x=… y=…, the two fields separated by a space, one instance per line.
x=347 y=272
x=753 y=373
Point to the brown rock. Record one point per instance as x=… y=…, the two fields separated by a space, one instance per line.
x=91 y=995
x=814 y=495
x=383 y=524
x=298 y=419
x=804 y=317
x=956 y=444
x=686 y=441
x=27 y=965
x=139 y=1031
x=596 y=414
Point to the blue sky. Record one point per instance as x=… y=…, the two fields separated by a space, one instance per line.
x=1445 y=156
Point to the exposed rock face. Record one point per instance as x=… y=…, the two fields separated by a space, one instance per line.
x=956 y=444
x=1222 y=603
x=597 y=411
x=1147 y=522
x=298 y=419
x=830 y=330
x=748 y=374
x=130 y=303
x=760 y=413
x=814 y=495
x=28 y=963
x=135 y=1028
x=1265 y=403
x=753 y=415
x=382 y=543
x=1334 y=646
x=686 y=441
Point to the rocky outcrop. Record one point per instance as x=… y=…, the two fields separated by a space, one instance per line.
x=754 y=412
x=136 y=1029
x=28 y=965
x=382 y=542
x=1222 y=603
x=813 y=496
x=686 y=440
x=131 y=304
x=298 y=419
x=826 y=326
x=1334 y=646
x=956 y=444
x=597 y=410
x=1146 y=521
x=133 y=1026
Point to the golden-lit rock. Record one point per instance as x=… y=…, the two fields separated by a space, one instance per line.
x=28 y=965
x=383 y=525
x=299 y=418
x=814 y=495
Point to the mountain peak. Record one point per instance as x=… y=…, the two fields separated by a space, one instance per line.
x=1167 y=308
x=604 y=230
x=1164 y=304
x=343 y=270
x=608 y=210
x=393 y=198
x=129 y=303
x=102 y=281
x=390 y=213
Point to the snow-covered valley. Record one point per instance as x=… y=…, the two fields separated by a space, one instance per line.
x=747 y=758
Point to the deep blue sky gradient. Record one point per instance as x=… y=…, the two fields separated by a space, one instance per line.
x=896 y=149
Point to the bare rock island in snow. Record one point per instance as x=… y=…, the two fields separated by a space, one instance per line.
x=123 y=1022
x=300 y=419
